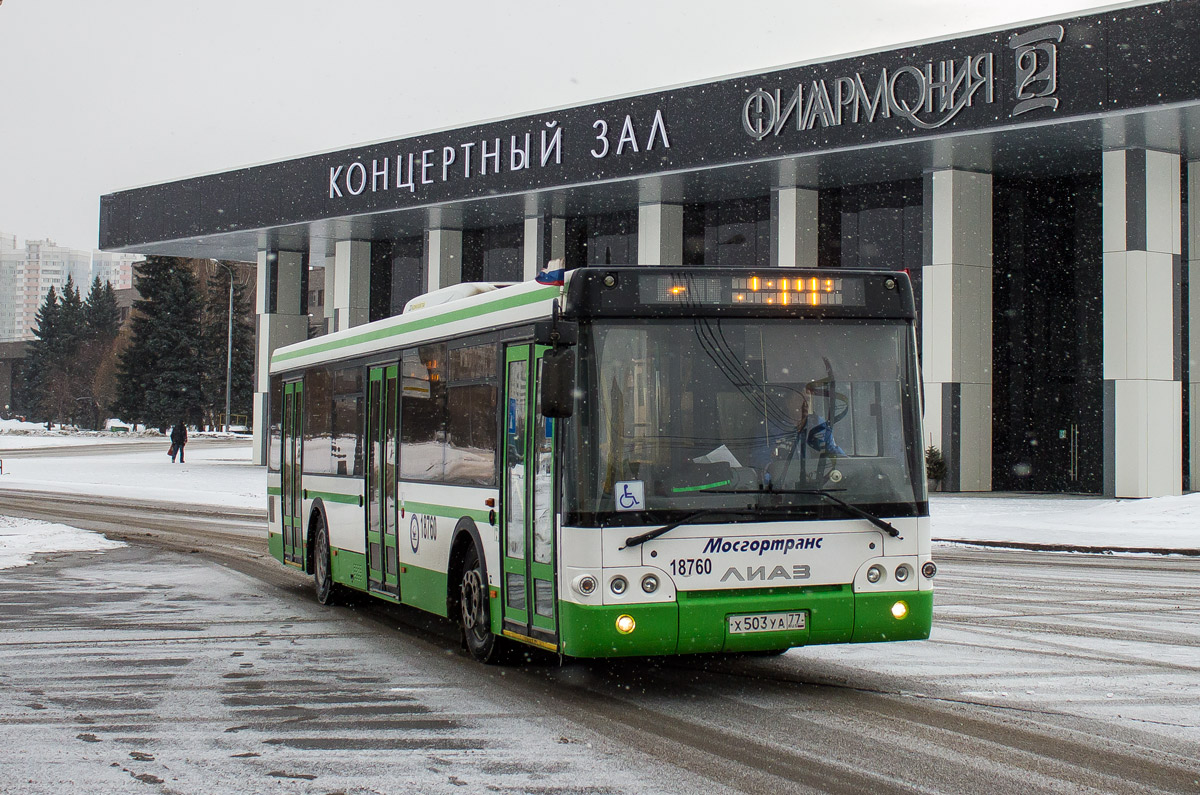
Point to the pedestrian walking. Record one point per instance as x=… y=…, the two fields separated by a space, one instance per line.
x=178 y=441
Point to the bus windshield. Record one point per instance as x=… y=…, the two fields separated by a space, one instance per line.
x=711 y=414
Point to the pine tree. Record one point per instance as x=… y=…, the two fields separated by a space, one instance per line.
x=64 y=388
x=102 y=316
x=94 y=359
x=39 y=357
x=216 y=332
x=160 y=375
x=71 y=322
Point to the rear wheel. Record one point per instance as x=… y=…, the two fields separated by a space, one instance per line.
x=327 y=591
x=475 y=614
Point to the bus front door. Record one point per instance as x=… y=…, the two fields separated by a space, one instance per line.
x=383 y=552
x=527 y=505
x=291 y=467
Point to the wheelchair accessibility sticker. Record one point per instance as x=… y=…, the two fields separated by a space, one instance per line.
x=630 y=495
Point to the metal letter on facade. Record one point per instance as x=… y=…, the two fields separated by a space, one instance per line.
x=602 y=137
x=758 y=114
x=1036 y=59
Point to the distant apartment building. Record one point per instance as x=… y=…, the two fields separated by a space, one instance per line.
x=116 y=269
x=27 y=273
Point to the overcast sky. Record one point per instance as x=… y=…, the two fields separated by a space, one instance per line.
x=100 y=95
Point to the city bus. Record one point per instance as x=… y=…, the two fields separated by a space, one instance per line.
x=630 y=460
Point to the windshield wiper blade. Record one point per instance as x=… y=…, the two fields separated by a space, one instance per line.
x=887 y=527
x=853 y=510
x=649 y=535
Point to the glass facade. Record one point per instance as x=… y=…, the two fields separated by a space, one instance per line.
x=609 y=239
x=729 y=234
x=496 y=254
x=1047 y=335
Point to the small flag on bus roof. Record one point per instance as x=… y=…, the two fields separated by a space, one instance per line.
x=552 y=273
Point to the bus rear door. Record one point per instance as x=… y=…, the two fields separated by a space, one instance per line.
x=527 y=505
x=292 y=466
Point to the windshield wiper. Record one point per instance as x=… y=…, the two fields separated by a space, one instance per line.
x=691 y=518
x=854 y=510
x=649 y=535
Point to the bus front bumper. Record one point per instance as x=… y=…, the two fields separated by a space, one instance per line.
x=699 y=622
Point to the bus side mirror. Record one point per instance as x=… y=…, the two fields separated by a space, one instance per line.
x=558 y=383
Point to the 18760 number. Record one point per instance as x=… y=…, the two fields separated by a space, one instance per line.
x=688 y=567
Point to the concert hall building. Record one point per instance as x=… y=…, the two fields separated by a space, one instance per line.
x=1036 y=183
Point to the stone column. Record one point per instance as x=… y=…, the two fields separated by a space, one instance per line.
x=660 y=234
x=1143 y=391
x=282 y=319
x=351 y=284
x=443 y=252
x=1193 y=341
x=956 y=321
x=545 y=239
x=794 y=228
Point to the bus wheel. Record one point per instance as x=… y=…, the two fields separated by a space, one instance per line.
x=327 y=591
x=475 y=610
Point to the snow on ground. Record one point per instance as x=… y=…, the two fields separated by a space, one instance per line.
x=1157 y=523
x=218 y=476
x=20 y=435
x=21 y=539
x=10 y=441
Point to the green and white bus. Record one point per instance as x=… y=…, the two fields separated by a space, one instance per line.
x=638 y=461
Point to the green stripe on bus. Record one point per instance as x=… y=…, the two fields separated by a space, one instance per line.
x=445 y=510
x=329 y=496
x=274 y=491
x=418 y=325
x=702 y=488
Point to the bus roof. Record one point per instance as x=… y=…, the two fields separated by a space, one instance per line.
x=507 y=306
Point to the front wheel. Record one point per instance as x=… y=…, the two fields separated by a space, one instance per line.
x=475 y=614
x=322 y=571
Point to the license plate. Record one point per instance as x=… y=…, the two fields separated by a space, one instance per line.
x=767 y=622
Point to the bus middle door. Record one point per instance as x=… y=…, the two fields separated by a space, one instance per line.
x=527 y=505
x=383 y=552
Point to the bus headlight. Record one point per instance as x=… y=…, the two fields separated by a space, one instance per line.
x=875 y=574
x=625 y=624
x=618 y=585
x=903 y=571
x=900 y=611
x=586 y=585
x=650 y=583
x=929 y=569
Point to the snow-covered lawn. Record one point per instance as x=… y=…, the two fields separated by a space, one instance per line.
x=218 y=476
x=1158 y=523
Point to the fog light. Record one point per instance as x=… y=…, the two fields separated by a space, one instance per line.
x=586 y=585
x=874 y=574
x=902 y=572
x=618 y=585
x=929 y=569
x=625 y=624
x=900 y=611
x=649 y=583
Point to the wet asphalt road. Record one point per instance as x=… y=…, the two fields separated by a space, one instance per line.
x=148 y=671
x=155 y=669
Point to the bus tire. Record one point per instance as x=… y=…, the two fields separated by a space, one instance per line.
x=474 y=614
x=327 y=590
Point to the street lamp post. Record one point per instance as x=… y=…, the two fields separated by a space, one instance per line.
x=228 y=346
